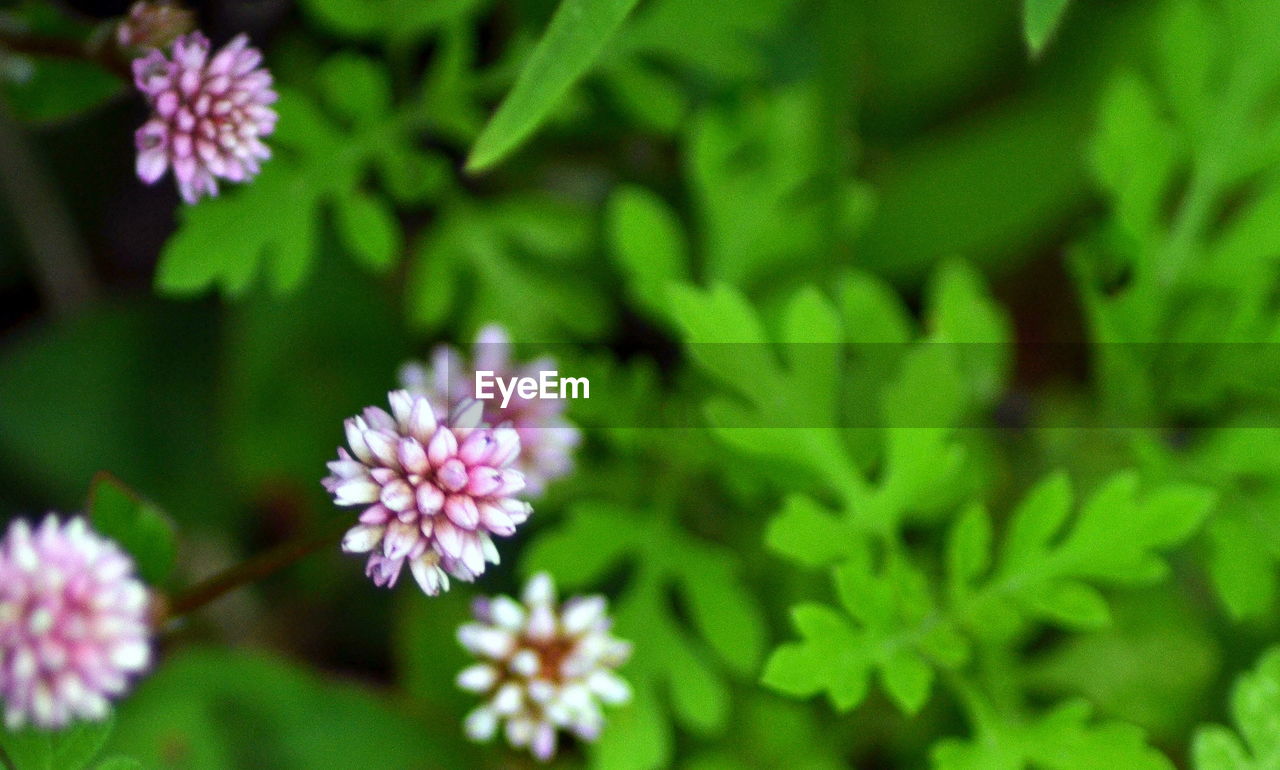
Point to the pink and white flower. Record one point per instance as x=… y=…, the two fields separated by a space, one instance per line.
x=436 y=491
x=210 y=113
x=548 y=440
x=73 y=623
x=544 y=667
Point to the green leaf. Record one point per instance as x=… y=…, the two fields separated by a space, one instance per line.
x=830 y=658
x=577 y=35
x=119 y=763
x=1063 y=739
x=886 y=629
x=1045 y=562
x=394 y=19
x=71 y=748
x=270 y=229
x=355 y=88
x=102 y=368
x=1242 y=566
x=1255 y=709
x=809 y=534
x=369 y=230
x=501 y=252
x=726 y=337
x=196 y=709
x=52 y=90
x=1127 y=668
x=754 y=165
x=1041 y=18
x=139 y=527
x=649 y=243
x=962 y=312
x=969 y=547
x=45 y=89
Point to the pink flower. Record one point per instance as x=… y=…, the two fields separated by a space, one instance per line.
x=436 y=492
x=73 y=623
x=209 y=114
x=546 y=437
x=543 y=668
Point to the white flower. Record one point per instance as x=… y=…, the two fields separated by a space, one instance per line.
x=543 y=668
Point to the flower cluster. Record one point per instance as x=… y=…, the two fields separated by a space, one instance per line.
x=209 y=114
x=547 y=438
x=544 y=668
x=436 y=491
x=73 y=623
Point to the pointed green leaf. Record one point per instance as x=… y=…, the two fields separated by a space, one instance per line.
x=577 y=35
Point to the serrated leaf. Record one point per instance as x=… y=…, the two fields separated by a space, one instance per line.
x=793 y=387
x=829 y=659
x=837 y=653
x=1046 y=560
x=577 y=35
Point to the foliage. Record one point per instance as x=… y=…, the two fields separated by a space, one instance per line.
x=933 y=415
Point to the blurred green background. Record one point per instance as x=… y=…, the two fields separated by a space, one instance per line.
x=1085 y=219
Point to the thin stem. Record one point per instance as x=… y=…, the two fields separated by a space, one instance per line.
x=98 y=48
x=250 y=571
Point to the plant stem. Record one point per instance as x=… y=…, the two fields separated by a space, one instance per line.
x=98 y=48
x=250 y=571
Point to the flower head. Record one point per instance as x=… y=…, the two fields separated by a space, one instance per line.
x=209 y=114
x=544 y=667
x=436 y=491
x=546 y=437
x=73 y=623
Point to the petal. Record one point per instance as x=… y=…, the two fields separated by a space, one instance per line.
x=481 y=724
x=362 y=539
x=430 y=577
x=442 y=447
x=152 y=164
x=399 y=539
x=429 y=498
x=540 y=590
x=477 y=678
x=356 y=491
x=462 y=510
x=581 y=613
x=398 y=496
